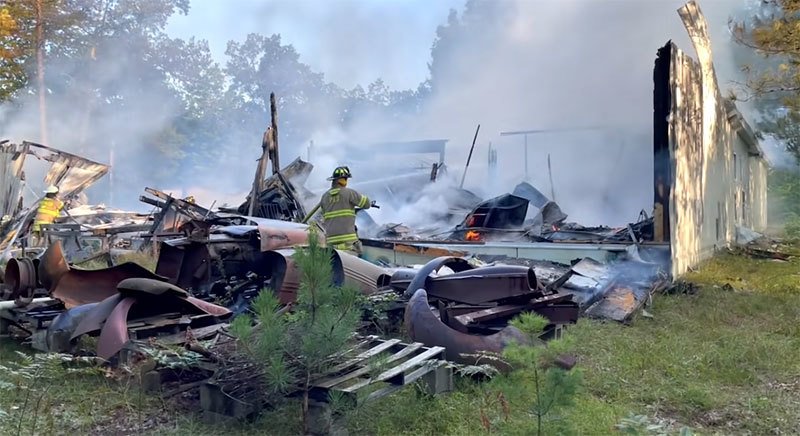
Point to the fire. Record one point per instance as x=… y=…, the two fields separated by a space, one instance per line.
x=472 y=236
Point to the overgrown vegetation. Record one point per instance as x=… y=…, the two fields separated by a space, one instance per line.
x=56 y=394
x=714 y=359
x=773 y=82
x=553 y=387
x=784 y=201
x=294 y=346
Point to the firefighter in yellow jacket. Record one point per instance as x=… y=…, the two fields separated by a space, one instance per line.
x=339 y=206
x=49 y=209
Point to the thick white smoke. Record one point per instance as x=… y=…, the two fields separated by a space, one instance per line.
x=558 y=65
x=522 y=64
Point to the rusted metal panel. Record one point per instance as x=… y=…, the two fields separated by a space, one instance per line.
x=425 y=327
x=360 y=273
x=141 y=304
x=484 y=284
x=93 y=321
x=71 y=173
x=274 y=238
x=114 y=333
x=75 y=287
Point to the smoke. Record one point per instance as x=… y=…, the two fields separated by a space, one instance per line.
x=511 y=65
x=120 y=136
x=519 y=65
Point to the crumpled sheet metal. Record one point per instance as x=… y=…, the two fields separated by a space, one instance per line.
x=114 y=334
x=93 y=321
x=468 y=284
x=481 y=285
x=58 y=338
x=360 y=273
x=75 y=287
x=423 y=279
x=273 y=238
x=138 y=298
x=424 y=326
x=285 y=276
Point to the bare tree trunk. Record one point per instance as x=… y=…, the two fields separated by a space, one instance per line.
x=273 y=110
x=306 y=388
x=40 y=72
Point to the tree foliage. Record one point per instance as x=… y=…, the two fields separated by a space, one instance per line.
x=770 y=55
x=115 y=79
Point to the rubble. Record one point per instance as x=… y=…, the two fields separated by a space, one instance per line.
x=210 y=264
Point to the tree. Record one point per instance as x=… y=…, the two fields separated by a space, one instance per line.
x=296 y=346
x=553 y=387
x=32 y=28
x=773 y=81
x=12 y=73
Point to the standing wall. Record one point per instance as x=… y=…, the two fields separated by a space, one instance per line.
x=710 y=172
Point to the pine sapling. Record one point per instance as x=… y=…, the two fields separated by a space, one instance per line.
x=553 y=387
x=295 y=347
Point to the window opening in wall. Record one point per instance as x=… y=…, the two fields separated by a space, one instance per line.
x=735 y=168
x=741 y=173
x=745 y=221
x=719 y=217
x=736 y=205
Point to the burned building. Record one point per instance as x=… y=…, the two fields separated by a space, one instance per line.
x=710 y=172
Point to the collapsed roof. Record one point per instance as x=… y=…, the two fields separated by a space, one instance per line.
x=71 y=173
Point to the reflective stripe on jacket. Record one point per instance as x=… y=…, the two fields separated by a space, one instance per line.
x=338 y=212
x=49 y=210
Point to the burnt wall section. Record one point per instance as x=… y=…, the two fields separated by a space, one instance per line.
x=662 y=165
x=717 y=174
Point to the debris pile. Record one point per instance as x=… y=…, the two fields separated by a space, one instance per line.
x=211 y=263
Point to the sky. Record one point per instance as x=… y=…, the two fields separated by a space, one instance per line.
x=332 y=36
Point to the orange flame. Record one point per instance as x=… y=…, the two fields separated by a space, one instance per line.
x=472 y=236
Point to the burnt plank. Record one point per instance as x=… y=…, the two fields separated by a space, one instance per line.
x=333 y=381
x=410 y=363
x=374 y=351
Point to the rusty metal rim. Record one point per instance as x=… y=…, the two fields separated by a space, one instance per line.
x=420 y=280
x=20 y=274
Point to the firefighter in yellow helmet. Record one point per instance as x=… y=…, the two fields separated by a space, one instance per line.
x=338 y=206
x=49 y=209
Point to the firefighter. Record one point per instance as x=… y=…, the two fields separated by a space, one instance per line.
x=339 y=206
x=49 y=209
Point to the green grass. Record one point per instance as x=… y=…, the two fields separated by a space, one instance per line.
x=762 y=276
x=76 y=403
x=724 y=360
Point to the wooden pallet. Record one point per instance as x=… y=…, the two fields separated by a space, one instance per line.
x=385 y=364
x=372 y=369
x=381 y=367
